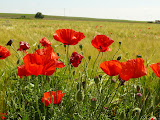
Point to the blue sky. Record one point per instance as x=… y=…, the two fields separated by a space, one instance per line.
x=146 y=10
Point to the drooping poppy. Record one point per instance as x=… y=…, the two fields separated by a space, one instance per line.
x=133 y=68
x=156 y=68
x=76 y=59
x=45 y=42
x=68 y=36
x=4 y=52
x=52 y=97
x=111 y=68
x=23 y=46
x=41 y=62
x=9 y=42
x=102 y=43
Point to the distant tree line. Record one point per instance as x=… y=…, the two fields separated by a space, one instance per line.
x=39 y=15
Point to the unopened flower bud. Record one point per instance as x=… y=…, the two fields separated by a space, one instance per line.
x=10 y=42
x=89 y=57
x=113 y=81
x=81 y=46
x=83 y=84
x=58 y=54
x=119 y=57
x=93 y=103
x=139 y=56
x=79 y=96
x=38 y=46
x=96 y=80
x=139 y=94
x=100 y=76
x=120 y=42
x=74 y=73
x=18 y=61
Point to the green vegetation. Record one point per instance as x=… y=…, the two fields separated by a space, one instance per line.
x=22 y=98
x=49 y=17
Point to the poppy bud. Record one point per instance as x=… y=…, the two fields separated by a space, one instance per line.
x=58 y=54
x=139 y=56
x=78 y=86
x=74 y=73
x=119 y=57
x=81 y=46
x=96 y=80
x=139 y=94
x=84 y=84
x=113 y=81
x=93 y=103
x=10 y=42
x=120 y=42
x=79 y=96
x=89 y=57
x=38 y=46
x=18 y=61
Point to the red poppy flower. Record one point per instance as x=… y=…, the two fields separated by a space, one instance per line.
x=76 y=59
x=3 y=115
x=156 y=69
x=68 y=36
x=4 y=52
x=102 y=42
x=52 y=97
x=41 y=62
x=23 y=46
x=133 y=68
x=45 y=42
x=111 y=68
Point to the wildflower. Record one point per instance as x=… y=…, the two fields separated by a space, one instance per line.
x=41 y=62
x=23 y=46
x=156 y=68
x=139 y=94
x=45 y=42
x=133 y=68
x=3 y=115
x=111 y=68
x=52 y=97
x=68 y=36
x=76 y=59
x=102 y=42
x=4 y=52
x=9 y=42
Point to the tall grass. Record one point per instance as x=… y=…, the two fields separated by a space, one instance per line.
x=22 y=98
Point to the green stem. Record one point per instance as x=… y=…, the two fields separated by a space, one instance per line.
x=94 y=64
x=116 y=52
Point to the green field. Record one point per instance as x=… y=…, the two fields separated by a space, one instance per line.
x=137 y=39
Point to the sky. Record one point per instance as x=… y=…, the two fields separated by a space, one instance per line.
x=140 y=10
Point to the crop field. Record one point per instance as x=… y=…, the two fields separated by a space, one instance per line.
x=90 y=93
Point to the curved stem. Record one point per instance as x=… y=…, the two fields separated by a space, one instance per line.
x=116 y=52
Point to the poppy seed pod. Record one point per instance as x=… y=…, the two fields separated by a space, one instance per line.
x=93 y=103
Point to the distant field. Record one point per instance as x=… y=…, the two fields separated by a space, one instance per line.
x=31 y=16
x=136 y=38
